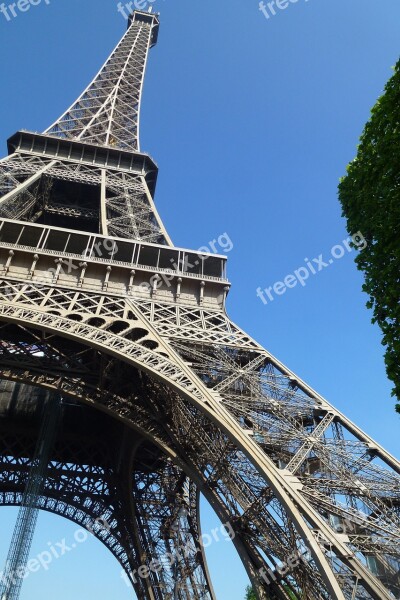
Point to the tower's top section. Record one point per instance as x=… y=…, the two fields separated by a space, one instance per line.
x=108 y=111
x=146 y=17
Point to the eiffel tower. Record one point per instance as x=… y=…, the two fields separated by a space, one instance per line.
x=164 y=397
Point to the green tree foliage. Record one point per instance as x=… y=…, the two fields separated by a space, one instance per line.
x=250 y=594
x=370 y=198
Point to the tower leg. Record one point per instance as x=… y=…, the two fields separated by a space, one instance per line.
x=21 y=541
x=166 y=511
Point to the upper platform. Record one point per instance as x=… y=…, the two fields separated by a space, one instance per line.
x=95 y=155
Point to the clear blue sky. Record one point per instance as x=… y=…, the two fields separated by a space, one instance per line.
x=252 y=122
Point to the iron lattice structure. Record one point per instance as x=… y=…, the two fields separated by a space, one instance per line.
x=165 y=397
x=21 y=542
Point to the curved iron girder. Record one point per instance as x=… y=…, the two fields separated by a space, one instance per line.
x=130 y=413
x=203 y=398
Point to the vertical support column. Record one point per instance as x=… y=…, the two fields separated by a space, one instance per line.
x=21 y=541
x=166 y=515
x=103 y=206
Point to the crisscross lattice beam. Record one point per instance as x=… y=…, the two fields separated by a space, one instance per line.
x=107 y=112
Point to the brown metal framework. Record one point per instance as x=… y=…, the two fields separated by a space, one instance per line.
x=174 y=399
